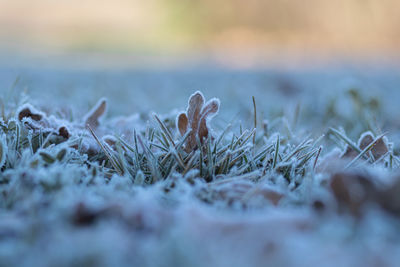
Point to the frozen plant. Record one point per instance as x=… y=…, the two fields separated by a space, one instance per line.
x=378 y=146
x=92 y=118
x=38 y=122
x=194 y=121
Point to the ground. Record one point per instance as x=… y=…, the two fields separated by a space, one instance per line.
x=94 y=171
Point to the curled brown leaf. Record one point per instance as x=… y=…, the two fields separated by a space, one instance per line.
x=378 y=150
x=353 y=191
x=93 y=116
x=208 y=111
x=27 y=111
x=182 y=123
x=63 y=131
x=195 y=120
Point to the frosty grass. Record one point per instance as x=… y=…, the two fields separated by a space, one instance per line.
x=312 y=183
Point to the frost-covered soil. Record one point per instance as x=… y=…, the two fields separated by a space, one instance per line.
x=96 y=169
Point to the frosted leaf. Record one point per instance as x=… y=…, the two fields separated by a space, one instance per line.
x=208 y=111
x=63 y=131
x=196 y=102
x=182 y=123
x=349 y=152
x=93 y=116
x=28 y=111
x=196 y=118
x=365 y=139
x=378 y=150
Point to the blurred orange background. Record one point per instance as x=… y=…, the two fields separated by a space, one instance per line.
x=234 y=32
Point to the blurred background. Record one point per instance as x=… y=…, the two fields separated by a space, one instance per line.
x=230 y=33
x=138 y=53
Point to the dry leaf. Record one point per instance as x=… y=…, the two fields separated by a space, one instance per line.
x=93 y=116
x=349 y=153
x=195 y=120
x=352 y=191
x=208 y=111
x=379 y=149
x=389 y=198
x=27 y=111
x=196 y=102
x=63 y=131
x=182 y=123
x=84 y=215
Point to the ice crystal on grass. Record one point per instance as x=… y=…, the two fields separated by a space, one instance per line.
x=159 y=187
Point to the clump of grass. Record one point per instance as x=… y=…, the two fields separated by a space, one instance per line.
x=190 y=149
x=124 y=178
x=157 y=154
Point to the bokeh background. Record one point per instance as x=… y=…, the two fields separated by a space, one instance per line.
x=231 y=33
x=151 y=55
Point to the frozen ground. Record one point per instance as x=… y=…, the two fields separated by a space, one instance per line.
x=289 y=197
